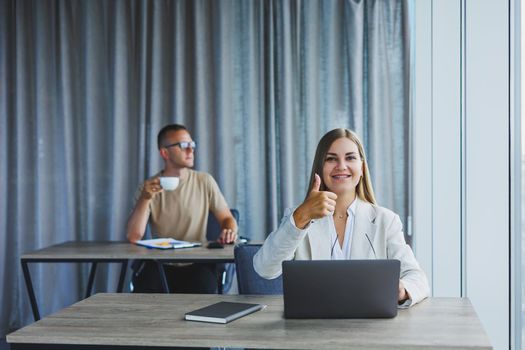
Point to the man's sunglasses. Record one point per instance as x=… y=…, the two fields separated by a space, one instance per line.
x=182 y=145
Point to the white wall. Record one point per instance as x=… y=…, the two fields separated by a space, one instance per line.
x=461 y=154
x=487 y=153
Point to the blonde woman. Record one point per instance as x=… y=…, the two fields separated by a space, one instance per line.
x=340 y=219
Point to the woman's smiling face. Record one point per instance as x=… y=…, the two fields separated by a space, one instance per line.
x=343 y=166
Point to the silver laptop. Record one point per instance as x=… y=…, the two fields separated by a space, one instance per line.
x=340 y=288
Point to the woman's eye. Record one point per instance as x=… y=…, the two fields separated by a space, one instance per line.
x=351 y=158
x=330 y=159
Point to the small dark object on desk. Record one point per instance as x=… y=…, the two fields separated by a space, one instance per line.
x=215 y=245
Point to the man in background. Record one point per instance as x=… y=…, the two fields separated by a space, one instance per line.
x=181 y=214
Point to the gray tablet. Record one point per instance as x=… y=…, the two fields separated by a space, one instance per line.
x=340 y=288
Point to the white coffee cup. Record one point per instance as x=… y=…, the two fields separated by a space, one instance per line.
x=169 y=183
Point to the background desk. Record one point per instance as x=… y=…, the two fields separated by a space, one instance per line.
x=116 y=252
x=138 y=321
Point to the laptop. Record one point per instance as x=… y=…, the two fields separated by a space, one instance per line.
x=340 y=288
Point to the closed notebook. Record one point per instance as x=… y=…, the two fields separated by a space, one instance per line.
x=223 y=312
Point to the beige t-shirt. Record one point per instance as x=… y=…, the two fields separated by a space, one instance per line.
x=183 y=213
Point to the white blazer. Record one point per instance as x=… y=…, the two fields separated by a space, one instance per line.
x=382 y=226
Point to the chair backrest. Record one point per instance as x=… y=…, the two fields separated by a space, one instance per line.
x=249 y=282
x=213 y=230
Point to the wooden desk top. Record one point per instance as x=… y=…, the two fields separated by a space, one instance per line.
x=157 y=320
x=105 y=250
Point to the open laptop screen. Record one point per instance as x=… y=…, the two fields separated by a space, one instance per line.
x=340 y=288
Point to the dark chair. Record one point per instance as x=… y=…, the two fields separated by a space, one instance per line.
x=226 y=271
x=214 y=228
x=249 y=281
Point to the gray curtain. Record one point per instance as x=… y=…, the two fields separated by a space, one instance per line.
x=86 y=85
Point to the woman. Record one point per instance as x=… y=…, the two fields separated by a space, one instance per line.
x=339 y=219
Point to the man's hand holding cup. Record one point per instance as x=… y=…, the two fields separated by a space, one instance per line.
x=151 y=188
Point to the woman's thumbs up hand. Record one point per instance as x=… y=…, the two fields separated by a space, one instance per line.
x=317 y=205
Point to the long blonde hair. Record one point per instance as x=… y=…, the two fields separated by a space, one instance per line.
x=364 y=189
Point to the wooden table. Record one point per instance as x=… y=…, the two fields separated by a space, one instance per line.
x=137 y=321
x=115 y=252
